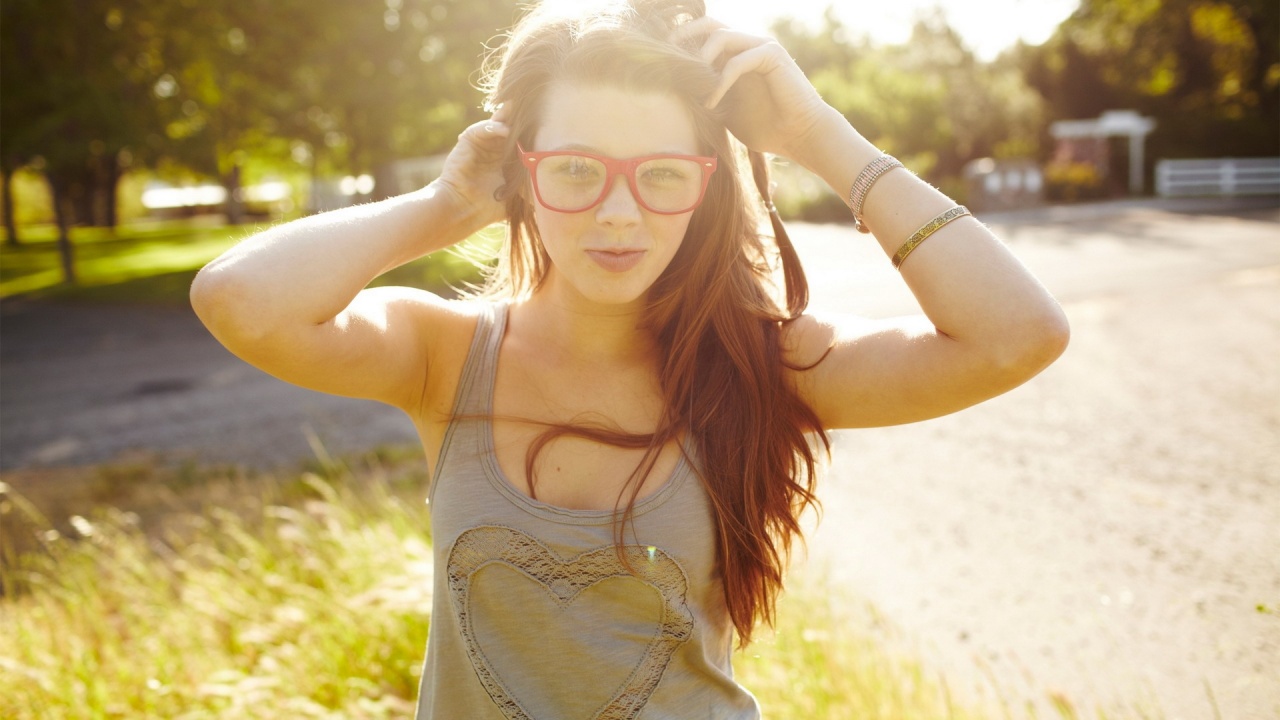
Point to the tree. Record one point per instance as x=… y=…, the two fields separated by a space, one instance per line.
x=385 y=80
x=358 y=82
x=90 y=85
x=929 y=101
x=1209 y=72
x=226 y=66
x=73 y=96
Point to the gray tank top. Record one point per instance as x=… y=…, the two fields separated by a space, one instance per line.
x=535 y=617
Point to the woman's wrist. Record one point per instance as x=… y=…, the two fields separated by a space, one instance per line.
x=894 y=206
x=835 y=151
x=466 y=209
x=431 y=218
x=453 y=212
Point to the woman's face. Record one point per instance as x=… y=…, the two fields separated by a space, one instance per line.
x=612 y=253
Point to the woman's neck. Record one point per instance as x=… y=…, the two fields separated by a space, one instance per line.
x=579 y=331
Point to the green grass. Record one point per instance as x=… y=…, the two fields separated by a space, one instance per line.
x=272 y=599
x=815 y=664
x=154 y=262
x=219 y=593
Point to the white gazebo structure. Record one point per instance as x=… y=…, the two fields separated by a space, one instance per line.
x=1112 y=123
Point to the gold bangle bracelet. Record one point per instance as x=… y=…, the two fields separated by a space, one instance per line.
x=923 y=233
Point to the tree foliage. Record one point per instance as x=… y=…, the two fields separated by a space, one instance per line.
x=90 y=86
x=1207 y=71
x=929 y=101
x=73 y=99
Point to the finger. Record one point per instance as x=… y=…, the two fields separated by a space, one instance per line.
x=502 y=113
x=725 y=40
x=694 y=28
x=485 y=130
x=762 y=59
x=485 y=140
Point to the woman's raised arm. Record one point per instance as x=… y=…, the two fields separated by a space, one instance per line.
x=988 y=324
x=292 y=299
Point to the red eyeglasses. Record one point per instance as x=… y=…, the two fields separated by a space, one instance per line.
x=571 y=182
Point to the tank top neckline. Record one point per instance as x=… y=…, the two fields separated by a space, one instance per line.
x=496 y=327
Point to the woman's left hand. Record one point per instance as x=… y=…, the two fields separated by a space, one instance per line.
x=769 y=104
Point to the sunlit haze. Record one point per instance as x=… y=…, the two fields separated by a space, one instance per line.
x=987 y=26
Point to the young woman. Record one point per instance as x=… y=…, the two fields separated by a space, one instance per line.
x=623 y=431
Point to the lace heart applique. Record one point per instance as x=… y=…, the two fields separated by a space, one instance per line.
x=562 y=583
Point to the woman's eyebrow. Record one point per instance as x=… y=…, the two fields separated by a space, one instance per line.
x=580 y=148
x=576 y=147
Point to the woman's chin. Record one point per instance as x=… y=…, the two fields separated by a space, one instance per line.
x=621 y=291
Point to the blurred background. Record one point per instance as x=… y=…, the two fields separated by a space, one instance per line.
x=1100 y=542
x=120 y=110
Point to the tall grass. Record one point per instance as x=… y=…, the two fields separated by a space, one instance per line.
x=310 y=598
x=278 y=610
x=816 y=665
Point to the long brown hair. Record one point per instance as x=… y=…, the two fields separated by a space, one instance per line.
x=713 y=311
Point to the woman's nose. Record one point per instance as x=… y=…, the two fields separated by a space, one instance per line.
x=619 y=206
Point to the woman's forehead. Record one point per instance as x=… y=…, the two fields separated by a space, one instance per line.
x=614 y=121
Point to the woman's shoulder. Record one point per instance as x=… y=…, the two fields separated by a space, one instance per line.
x=821 y=357
x=452 y=324
x=806 y=339
x=462 y=310
x=443 y=318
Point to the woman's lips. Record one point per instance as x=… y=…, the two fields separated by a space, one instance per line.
x=616 y=261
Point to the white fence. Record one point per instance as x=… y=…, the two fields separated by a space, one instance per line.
x=1225 y=176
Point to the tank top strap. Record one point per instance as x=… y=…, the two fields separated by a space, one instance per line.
x=475 y=384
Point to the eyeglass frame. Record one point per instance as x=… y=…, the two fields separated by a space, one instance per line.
x=614 y=167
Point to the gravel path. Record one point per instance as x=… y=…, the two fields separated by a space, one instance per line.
x=1107 y=531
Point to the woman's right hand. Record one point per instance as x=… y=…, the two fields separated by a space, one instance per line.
x=473 y=170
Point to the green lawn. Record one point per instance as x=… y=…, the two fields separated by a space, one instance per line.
x=154 y=262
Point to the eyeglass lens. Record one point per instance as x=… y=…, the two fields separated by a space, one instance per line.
x=573 y=182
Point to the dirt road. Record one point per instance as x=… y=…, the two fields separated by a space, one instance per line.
x=1108 y=531
x=81 y=384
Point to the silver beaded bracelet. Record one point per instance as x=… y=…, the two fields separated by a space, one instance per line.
x=863 y=183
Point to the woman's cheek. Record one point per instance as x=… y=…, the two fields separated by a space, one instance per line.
x=559 y=231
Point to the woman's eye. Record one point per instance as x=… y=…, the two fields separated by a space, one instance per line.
x=575 y=168
x=663 y=174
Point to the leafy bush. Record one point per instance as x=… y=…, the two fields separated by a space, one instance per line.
x=1072 y=181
